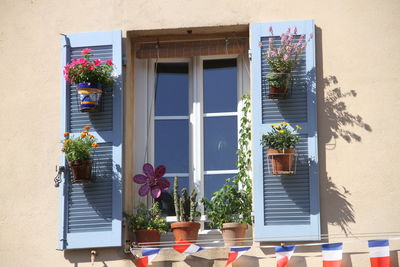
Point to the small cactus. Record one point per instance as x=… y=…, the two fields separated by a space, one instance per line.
x=185 y=206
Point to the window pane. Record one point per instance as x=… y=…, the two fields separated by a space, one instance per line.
x=213 y=183
x=172 y=93
x=220 y=85
x=172 y=145
x=220 y=143
x=166 y=199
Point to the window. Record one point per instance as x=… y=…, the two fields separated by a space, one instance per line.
x=193 y=121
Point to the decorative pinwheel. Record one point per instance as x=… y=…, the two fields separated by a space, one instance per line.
x=152 y=180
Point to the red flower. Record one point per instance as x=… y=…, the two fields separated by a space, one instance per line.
x=86 y=51
x=152 y=180
x=97 y=62
x=109 y=62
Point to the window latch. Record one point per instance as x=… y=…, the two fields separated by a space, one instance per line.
x=57 y=179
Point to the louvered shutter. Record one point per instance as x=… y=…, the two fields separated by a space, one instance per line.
x=91 y=213
x=286 y=206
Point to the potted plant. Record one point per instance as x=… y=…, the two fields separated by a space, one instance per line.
x=78 y=153
x=147 y=224
x=282 y=60
x=185 y=229
x=230 y=208
x=281 y=142
x=90 y=76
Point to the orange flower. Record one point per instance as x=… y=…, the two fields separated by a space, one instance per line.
x=63 y=149
x=86 y=132
x=83 y=135
x=67 y=141
x=87 y=127
x=95 y=145
x=91 y=136
x=66 y=134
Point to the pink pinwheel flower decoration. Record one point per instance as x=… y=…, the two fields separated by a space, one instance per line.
x=152 y=180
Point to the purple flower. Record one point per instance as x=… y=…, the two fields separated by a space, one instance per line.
x=295 y=30
x=152 y=180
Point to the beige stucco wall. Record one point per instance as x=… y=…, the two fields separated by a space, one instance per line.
x=357 y=50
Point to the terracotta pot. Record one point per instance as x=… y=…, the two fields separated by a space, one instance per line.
x=148 y=235
x=89 y=96
x=282 y=161
x=281 y=91
x=81 y=171
x=185 y=231
x=232 y=231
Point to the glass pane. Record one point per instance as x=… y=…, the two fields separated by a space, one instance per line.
x=166 y=199
x=172 y=145
x=172 y=93
x=220 y=85
x=213 y=183
x=220 y=143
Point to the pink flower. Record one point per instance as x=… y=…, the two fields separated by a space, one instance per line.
x=259 y=44
x=86 y=51
x=286 y=57
x=109 y=62
x=295 y=30
x=279 y=51
x=97 y=62
x=311 y=36
x=270 y=30
x=152 y=180
x=283 y=38
x=288 y=30
x=290 y=37
x=271 y=40
x=91 y=67
x=81 y=61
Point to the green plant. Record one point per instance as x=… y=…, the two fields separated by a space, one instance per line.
x=79 y=148
x=278 y=80
x=233 y=202
x=185 y=206
x=91 y=71
x=281 y=137
x=146 y=219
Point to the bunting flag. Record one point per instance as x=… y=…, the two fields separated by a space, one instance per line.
x=332 y=254
x=186 y=248
x=379 y=254
x=283 y=254
x=148 y=254
x=235 y=253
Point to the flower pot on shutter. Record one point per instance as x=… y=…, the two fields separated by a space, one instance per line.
x=89 y=96
x=278 y=84
x=81 y=171
x=283 y=161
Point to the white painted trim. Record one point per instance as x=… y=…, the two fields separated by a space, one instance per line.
x=220 y=114
x=220 y=172
x=178 y=174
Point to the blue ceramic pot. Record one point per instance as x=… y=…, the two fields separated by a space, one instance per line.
x=89 y=96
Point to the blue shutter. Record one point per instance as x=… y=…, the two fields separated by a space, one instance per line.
x=286 y=207
x=91 y=214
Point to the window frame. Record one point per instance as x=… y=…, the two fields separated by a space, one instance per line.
x=196 y=116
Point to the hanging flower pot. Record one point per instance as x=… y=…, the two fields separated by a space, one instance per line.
x=81 y=171
x=282 y=160
x=278 y=84
x=90 y=77
x=89 y=97
x=78 y=151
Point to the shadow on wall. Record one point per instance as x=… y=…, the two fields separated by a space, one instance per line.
x=340 y=121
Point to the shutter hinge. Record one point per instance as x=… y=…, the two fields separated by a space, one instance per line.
x=250 y=54
x=57 y=179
